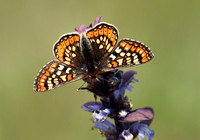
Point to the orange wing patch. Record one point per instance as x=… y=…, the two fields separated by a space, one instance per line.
x=103 y=32
x=103 y=38
x=127 y=53
x=66 y=48
x=54 y=74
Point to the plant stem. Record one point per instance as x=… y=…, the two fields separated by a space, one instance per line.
x=114 y=107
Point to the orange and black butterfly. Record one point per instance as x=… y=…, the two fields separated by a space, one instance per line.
x=88 y=54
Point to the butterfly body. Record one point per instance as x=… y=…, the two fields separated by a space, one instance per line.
x=89 y=54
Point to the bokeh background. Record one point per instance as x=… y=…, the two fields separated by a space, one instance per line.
x=169 y=83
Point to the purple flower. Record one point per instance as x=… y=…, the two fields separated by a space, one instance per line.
x=138 y=120
x=110 y=87
x=105 y=126
x=141 y=130
x=97 y=20
x=101 y=115
x=127 y=78
x=106 y=129
x=126 y=135
x=92 y=106
x=83 y=28
x=145 y=115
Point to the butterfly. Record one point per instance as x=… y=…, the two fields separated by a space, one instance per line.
x=88 y=54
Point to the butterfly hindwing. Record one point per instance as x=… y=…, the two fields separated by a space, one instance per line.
x=103 y=37
x=128 y=53
x=55 y=74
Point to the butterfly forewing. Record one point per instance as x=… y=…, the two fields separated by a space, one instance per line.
x=103 y=37
x=128 y=53
x=68 y=50
x=55 y=74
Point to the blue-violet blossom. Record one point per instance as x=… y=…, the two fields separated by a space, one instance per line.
x=110 y=87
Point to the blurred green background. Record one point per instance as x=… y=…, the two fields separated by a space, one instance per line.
x=169 y=83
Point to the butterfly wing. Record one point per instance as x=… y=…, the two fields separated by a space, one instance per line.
x=68 y=50
x=128 y=53
x=103 y=37
x=55 y=74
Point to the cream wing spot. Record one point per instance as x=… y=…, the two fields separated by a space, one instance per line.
x=110 y=49
x=61 y=67
x=128 y=54
x=134 y=54
x=128 y=60
x=122 y=54
x=68 y=69
x=58 y=72
x=63 y=77
x=101 y=46
x=104 y=39
x=112 y=57
x=67 y=62
x=98 y=41
x=66 y=54
x=53 y=76
x=50 y=85
x=55 y=80
x=118 y=50
x=67 y=58
x=136 y=61
x=108 y=46
x=135 y=57
x=73 y=48
x=120 y=61
x=73 y=55
x=109 y=65
x=101 y=38
x=74 y=75
x=67 y=50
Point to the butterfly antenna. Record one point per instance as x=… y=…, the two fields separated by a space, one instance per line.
x=81 y=86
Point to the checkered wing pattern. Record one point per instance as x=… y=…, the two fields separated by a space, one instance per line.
x=68 y=50
x=128 y=53
x=55 y=74
x=103 y=37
